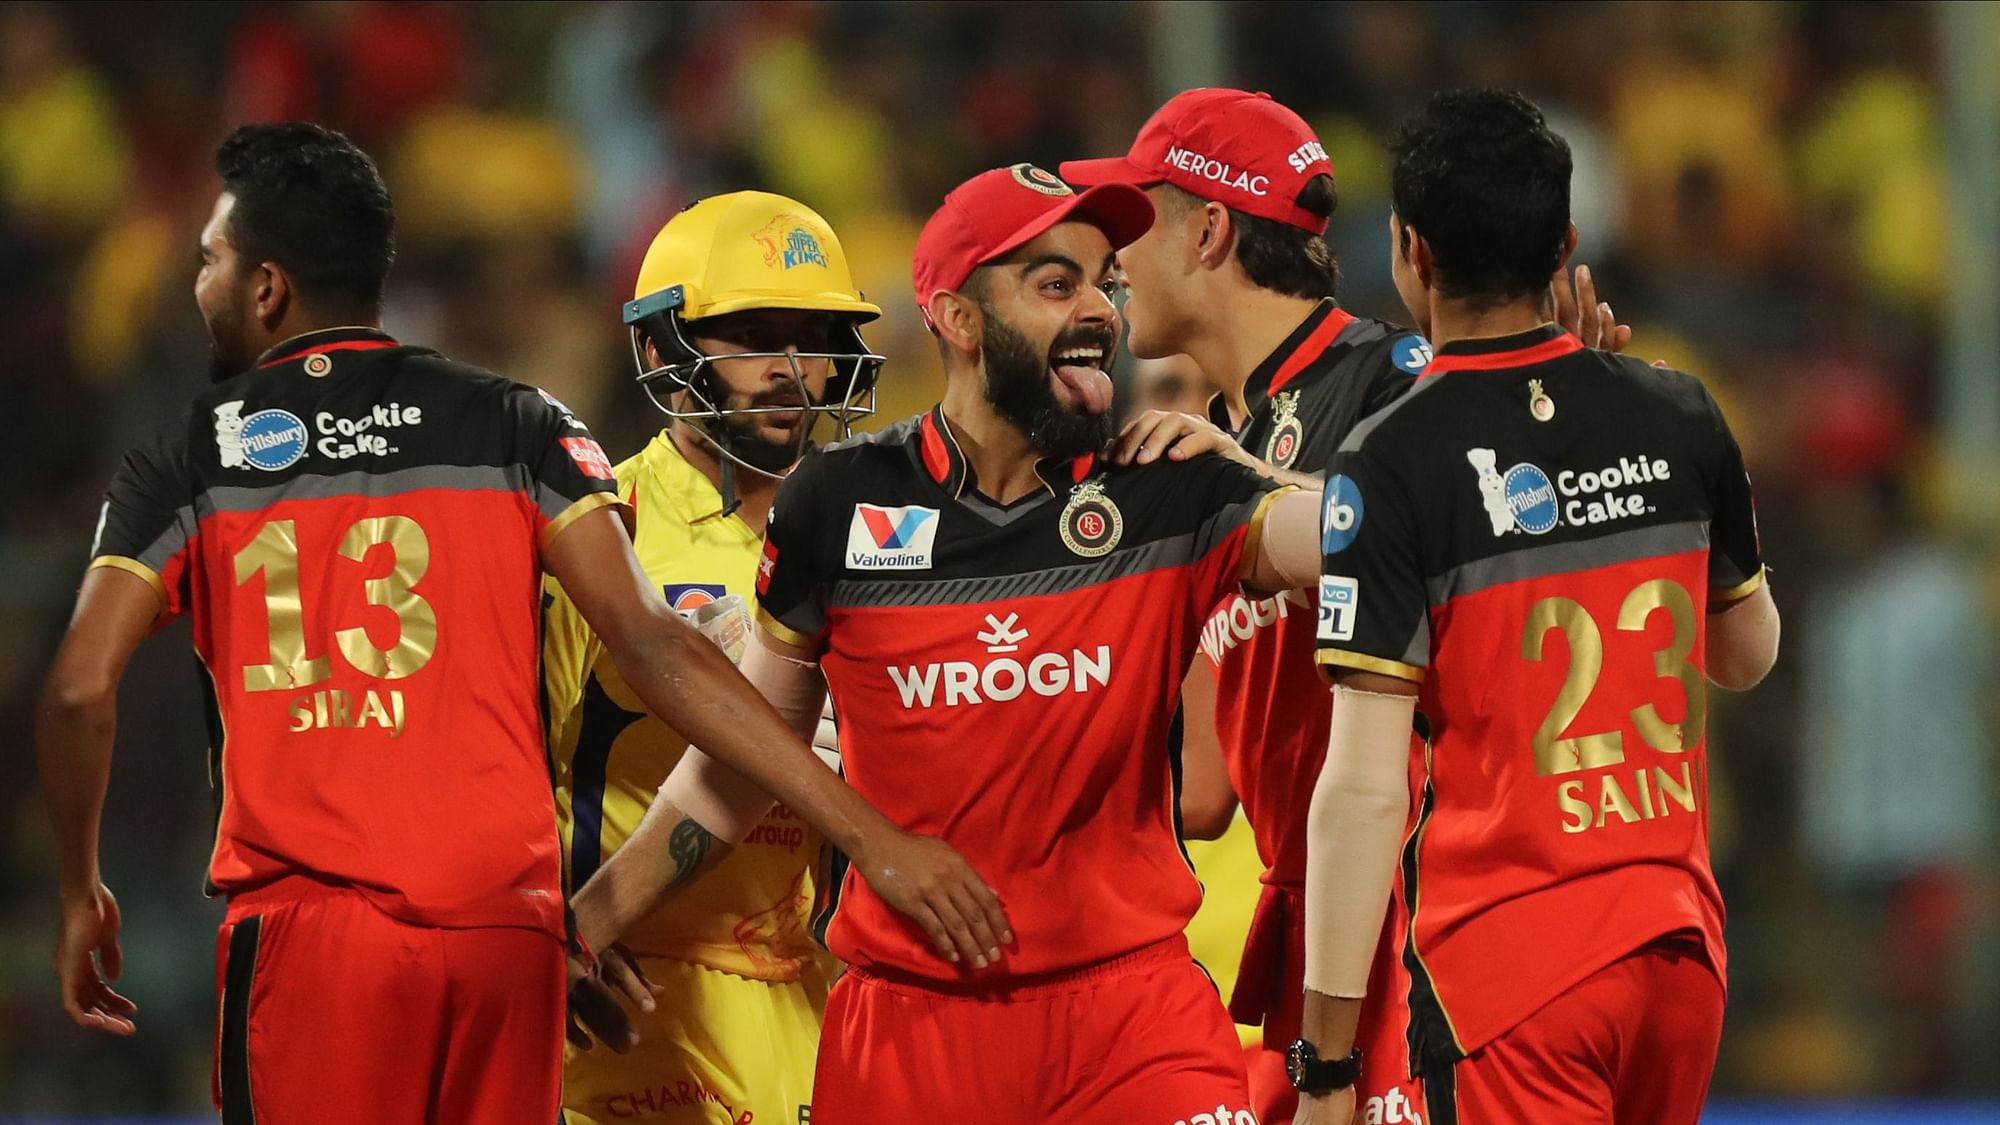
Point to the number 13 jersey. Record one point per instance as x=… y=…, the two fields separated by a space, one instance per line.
x=357 y=528
x=1536 y=534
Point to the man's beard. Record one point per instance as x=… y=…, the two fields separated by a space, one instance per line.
x=1017 y=386
x=224 y=361
x=742 y=436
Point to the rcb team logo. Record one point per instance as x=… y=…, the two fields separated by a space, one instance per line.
x=1091 y=523
x=1038 y=179
x=1286 y=432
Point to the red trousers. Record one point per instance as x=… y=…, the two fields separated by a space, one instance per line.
x=333 y=1012
x=1142 y=1040
x=1634 y=1042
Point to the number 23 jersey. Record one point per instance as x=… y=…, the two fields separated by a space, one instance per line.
x=357 y=528
x=1536 y=534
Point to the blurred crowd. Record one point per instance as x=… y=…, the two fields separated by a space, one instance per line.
x=1761 y=191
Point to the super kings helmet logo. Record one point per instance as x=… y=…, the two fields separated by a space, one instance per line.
x=787 y=242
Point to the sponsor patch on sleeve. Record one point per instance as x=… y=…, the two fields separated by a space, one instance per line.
x=1411 y=353
x=589 y=456
x=765 y=565
x=1338 y=598
x=1340 y=515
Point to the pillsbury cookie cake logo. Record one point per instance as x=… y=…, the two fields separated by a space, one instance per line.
x=1523 y=499
x=269 y=439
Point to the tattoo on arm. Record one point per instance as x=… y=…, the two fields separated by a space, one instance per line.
x=687 y=846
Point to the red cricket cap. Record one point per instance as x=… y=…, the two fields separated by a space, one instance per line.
x=1232 y=147
x=996 y=213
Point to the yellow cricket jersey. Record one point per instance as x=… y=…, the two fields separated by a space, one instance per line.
x=750 y=914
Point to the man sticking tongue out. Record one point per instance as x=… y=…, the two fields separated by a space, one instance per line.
x=1014 y=274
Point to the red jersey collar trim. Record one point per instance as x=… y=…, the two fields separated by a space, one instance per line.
x=1500 y=353
x=1306 y=344
x=351 y=339
x=946 y=464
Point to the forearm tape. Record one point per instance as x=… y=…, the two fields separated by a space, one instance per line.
x=717 y=797
x=1355 y=826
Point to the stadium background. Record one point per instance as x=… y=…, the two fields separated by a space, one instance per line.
x=1799 y=202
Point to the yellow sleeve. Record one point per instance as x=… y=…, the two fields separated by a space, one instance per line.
x=569 y=650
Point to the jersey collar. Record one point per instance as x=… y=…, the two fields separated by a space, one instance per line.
x=938 y=453
x=355 y=338
x=1499 y=353
x=1307 y=343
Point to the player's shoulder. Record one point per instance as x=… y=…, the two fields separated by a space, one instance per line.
x=1374 y=343
x=865 y=460
x=1676 y=390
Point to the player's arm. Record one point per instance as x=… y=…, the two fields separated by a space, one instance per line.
x=1359 y=807
x=1286 y=555
x=1208 y=803
x=1742 y=619
x=703 y=808
x=75 y=724
x=691 y=685
x=1743 y=640
x=1177 y=437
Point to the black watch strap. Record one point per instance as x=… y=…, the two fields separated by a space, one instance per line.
x=1311 y=1074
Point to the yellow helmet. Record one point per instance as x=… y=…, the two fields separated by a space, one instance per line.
x=734 y=253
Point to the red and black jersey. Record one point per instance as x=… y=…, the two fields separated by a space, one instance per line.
x=1271 y=710
x=357 y=527
x=1005 y=675
x=1536 y=534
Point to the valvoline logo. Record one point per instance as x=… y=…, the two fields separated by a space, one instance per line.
x=893 y=528
x=686 y=597
x=273 y=439
x=880 y=538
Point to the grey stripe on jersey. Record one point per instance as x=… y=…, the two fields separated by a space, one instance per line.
x=1563 y=558
x=1161 y=554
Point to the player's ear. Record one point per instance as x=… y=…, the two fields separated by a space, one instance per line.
x=955 y=318
x=1215 y=238
x=1569 y=248
x=1416 y=250
x=270 y=294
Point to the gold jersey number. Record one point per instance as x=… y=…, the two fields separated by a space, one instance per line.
x=1557 y=753
x=274 y=552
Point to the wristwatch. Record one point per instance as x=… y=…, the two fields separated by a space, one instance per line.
x=1311 y=1074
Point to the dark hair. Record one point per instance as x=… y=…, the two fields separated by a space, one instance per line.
x=309 y=200
x=1276 y=255
x=1485 y=181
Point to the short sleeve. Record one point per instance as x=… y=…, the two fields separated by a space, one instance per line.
x=1235 y=500
x=1735 y=556
x=147 y=526
x=1373 y=609
x=569 y=473
x=791 y=590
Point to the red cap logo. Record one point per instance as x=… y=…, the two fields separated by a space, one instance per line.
x=1233 y=147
